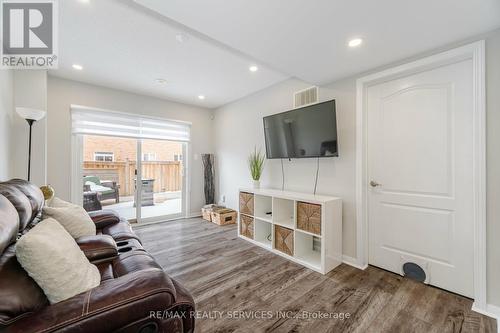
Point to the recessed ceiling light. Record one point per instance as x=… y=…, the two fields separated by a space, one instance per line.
x=77 y=67
x=201 y=97
x=161 y=81
x=253 y=68
x=85 y=1
x=355 y=42
x=181 y=38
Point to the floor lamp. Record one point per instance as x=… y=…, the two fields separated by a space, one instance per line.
x=31 y=115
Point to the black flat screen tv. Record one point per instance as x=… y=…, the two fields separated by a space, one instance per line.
x=306 y=132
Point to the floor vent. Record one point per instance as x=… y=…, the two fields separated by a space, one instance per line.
x=306 y=96
x=414 y=272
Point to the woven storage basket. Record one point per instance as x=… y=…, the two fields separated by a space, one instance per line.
x=283 y=239
x=246 y=203
x=246 y=226
x=309 y=217
x=207 y=210
x=206 y=214
x=224 y=216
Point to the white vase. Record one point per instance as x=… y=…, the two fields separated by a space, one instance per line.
x=256 y=184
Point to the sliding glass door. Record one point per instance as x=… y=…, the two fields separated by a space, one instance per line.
x=141 y=179
x=109 y=165
x=162 y=179
x=133 y=164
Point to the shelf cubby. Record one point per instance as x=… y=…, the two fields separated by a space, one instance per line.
x=308 y=248
x=315 y=241
x=284 y=212
x=263 y=232
x=263 y=205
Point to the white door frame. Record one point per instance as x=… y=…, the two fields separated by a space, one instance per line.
x=476 y=52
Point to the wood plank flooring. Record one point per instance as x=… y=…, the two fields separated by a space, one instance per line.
x=239 y=287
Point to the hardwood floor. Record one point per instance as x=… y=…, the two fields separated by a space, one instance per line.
x=239 y=287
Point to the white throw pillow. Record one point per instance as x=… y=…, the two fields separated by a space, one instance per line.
x=72 y=217
x=53 y=259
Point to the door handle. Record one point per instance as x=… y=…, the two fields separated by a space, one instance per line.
x=374 y=184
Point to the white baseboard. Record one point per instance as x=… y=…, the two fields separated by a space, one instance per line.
x=353 y=262
x=491 y=310
x=193 y=214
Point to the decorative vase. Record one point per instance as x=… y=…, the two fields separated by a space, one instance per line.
x=256 y=184
x=209 y=176
x=48 y=192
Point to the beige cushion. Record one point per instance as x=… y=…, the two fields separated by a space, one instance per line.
x=53 y=259
x=72 y=217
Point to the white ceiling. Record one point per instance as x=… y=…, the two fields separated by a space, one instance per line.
x=307 y=38
x=122 y=44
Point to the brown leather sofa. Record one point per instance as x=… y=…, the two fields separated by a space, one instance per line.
x=135 y=294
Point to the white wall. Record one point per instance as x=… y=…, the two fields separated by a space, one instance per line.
x=238 y=127
x=30 y=90
x=62 y=93
x=6 y=119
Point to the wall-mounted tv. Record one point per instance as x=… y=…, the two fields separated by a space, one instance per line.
x=309 y=131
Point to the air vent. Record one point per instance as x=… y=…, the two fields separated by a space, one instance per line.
x=306 y=96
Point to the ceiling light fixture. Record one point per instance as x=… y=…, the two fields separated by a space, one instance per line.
x=253 y=68
x=355 y=42
x=77 y=67
x=161 y=81
x=202 y=97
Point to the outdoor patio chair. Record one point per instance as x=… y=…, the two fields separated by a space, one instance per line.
x=107 y=189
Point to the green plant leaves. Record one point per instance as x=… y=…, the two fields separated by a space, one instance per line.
x=256 y=163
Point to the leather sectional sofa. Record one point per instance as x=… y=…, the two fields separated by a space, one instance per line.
x=135 y=294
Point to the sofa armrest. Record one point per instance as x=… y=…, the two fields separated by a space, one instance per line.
x=98 y=248
x=113 y=305
x=104 y=218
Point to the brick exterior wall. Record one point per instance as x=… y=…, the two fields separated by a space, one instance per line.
x=125 y=149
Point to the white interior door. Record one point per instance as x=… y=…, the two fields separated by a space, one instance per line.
x=420 y=200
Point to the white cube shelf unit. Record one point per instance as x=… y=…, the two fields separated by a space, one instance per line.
x=304 y=228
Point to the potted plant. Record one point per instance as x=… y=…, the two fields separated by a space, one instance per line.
x=256 y=166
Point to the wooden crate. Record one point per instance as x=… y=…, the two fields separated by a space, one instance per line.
x=309 y=217
x=246 y=203
x=224 y=216
x=283 y=239
x=246 y=226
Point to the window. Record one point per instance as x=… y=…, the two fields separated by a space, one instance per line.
x=149 y=157
x=177 y=158
x=104 y=156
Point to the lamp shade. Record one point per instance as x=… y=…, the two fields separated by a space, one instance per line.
x=31 y=114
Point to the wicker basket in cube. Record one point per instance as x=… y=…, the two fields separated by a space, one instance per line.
x=283 y=239
x=246 y=203
x=246 y=226
x=309 y=217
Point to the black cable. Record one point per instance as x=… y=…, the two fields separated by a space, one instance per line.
x=317 y=172
x=282 y=176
